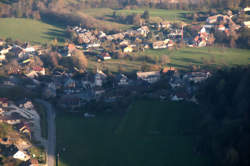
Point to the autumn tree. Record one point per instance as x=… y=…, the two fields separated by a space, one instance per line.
x=79 y=60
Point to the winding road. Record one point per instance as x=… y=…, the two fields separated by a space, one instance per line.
x=51 y=144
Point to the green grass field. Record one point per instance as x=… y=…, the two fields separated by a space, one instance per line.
x=182 y=59
x=165 y=14
x=156 y=15
x=215 y=57
x=170 y=15
x=30 y=30
x=151 y=133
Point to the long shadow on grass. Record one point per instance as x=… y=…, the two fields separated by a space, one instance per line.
x=196 y=52
x=179 y=66
x=53 y=22
x=188 y=60
x=54 y=33
x=184 y=17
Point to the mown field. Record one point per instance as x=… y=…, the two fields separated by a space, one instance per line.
x=155 y=14
x=34 y=31
x=183 y=59
x=171 y=15
x=166 y=14
x=213 y=57
x=151 y=133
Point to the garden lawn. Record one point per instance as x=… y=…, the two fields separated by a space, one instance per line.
x=151 y=133
x=30 y=30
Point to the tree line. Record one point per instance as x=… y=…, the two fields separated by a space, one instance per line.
x=32 y=8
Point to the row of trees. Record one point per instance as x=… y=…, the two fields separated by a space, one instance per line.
x=76 y=62
x=240 y=40
x=32 y=8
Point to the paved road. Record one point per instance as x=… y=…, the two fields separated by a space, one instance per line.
x=51 y=133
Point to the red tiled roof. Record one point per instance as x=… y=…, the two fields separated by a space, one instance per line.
x=37 y=68
x=221 y=26
x=71 y=47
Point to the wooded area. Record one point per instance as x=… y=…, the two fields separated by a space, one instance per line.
x=226 y=117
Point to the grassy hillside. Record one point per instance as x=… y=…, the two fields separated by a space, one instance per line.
x=151 y=133
x=165 y=14
x=30 y=30
x=105 y=14
x=215 y=57
x=181 y=59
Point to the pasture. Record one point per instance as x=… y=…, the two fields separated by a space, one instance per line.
x=30 y=30
x=213 y=57
x=182 y=59
x=150 y=133
x=162 y=13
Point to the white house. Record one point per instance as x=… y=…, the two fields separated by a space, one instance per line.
x=29 y=49
x=150 y=77
x=176 y=98
x=247 y=24
x=122 y=80
x=2 y=57
x=21 y=156
x=99 y=78
x=246 y=9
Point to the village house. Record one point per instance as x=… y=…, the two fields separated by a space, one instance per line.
x=179 y=96
x=101 y=35
x=212 y=19
x=10 y=120
x=175 y=33
x=162 y=44
x=247 y=24
x=28 y=105
x=70 y=48
x=246 y=9
x=24 y=128
x=69 y=101
x=206 y=29
x=70 y=83
x=144 y=30
x=36 y=71
x=127 y=49
x=4 y=102
x=5 y=50
x=93 y=45
x=104 y=56
x=167 y=70
x=196 y=77
x=124 y=43
x=1 y=111
x=164 y=24
x=50 y=90
x=122 y=80
x=117 y=36
x=2 y=42
x=28 y=49
x=150 y=77
x=221 y=27
x=100 y=77
x=2 y=57
x=21 y=155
